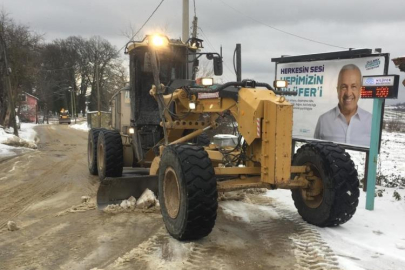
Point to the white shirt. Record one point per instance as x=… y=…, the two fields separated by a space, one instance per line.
x=332 y=126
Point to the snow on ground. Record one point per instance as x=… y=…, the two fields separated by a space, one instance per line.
x=10 y=144
x=371 y=239
x=391 y=162
x=80 y=126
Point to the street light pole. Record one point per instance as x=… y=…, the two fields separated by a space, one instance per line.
x=74 y=93
x=74 y=104
x=71 y=100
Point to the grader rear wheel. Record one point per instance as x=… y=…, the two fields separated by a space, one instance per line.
x=109 y=154
x=333 y=194
x=92 y=150
x=187 y=192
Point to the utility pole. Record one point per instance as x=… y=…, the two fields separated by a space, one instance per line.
x=71 y=100
x=74 y=104
x=195 y=21
x=74 y=93
x=8 y=81
x=192 y=59
x=185 y=21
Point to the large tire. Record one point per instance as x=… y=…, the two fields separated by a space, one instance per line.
x=202 y=140
x=92 y=149
x=187 y=192
x=337 y=202
x=110 y=158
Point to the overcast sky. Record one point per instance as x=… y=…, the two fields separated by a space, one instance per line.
x=344 y=23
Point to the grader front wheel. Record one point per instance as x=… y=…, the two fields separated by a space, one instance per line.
x=333 y=194
x=187 y=192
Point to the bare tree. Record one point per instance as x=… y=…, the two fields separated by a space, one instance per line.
x=21 y=46
x=71 y=64
x=105 y=56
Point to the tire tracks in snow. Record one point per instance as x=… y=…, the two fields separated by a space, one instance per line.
x=44 y=176
x=37 y=189
x=311 y=252
x=273 y=237
x=161 y=251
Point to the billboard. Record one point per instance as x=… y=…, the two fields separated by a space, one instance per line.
x=328 y=105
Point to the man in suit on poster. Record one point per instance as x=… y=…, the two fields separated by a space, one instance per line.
x=347 y=122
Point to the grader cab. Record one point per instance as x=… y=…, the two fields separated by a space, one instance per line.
x=168 y=111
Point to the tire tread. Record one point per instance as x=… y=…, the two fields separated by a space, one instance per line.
x=201 y=188
x=338 y=165
x=113 y=154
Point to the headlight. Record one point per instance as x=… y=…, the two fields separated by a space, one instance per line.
x=158 y=40
x=280 y=84
x=207 y=81
x=204 y=81
x=191 y=105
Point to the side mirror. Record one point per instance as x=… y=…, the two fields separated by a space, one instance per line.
x=217 y=65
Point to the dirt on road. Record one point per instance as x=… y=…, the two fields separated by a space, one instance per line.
x=41 y=191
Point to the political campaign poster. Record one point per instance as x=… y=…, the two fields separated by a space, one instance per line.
x=328 y=105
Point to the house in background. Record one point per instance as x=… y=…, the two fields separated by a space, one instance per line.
x=28 y=107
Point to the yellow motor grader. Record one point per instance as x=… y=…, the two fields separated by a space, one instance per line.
x=168 y=110
x=64 y=117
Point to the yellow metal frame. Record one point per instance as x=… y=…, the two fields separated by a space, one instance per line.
x=264 y=120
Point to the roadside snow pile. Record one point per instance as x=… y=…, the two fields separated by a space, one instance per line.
x=147 y=201
x=18 y=142
x=26 y=139
x=81 y=126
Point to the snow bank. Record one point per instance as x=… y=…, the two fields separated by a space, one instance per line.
x=80 y=126
x=9 y=142
x=391 y=161
x=371 y=239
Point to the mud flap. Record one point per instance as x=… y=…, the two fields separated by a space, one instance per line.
x=115 y=190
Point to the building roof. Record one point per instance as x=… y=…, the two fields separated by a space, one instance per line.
x=30 y=95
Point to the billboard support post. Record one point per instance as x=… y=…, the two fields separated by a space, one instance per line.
x=373 y=155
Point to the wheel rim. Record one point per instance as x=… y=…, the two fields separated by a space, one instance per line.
x=100 y=157
x=171 y=192
x=315 y=199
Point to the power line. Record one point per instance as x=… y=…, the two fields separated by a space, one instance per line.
x=212 y=47
x=282 y=31
x=142 y=25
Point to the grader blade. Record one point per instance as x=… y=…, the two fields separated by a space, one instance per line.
x=115 y=190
